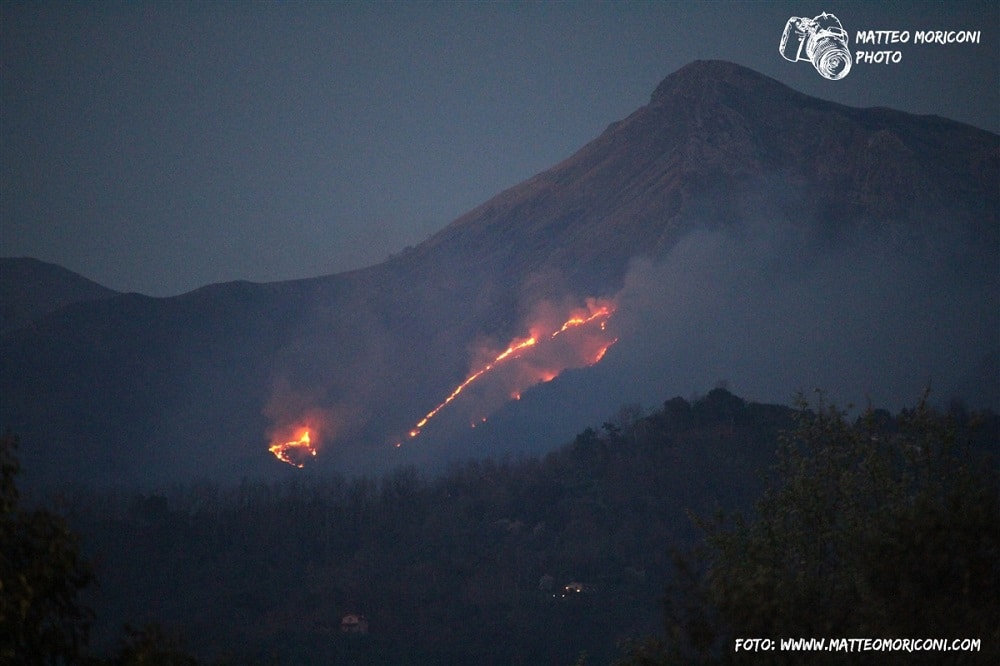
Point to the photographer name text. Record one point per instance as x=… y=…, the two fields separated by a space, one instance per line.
x=890 y=37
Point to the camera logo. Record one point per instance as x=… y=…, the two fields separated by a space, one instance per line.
x=821 y=40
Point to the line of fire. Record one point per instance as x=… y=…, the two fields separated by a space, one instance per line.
x=578 y=341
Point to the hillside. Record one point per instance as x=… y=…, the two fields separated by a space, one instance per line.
x=740 y=230
x=31 y=289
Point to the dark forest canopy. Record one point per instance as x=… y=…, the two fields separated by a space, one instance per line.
x=530 y=560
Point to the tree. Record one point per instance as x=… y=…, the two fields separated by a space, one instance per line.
x=873 y=529
x=151 y=646
x=41 y=574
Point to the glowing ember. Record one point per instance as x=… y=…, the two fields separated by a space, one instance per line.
x=579 y=341
x=295 y=452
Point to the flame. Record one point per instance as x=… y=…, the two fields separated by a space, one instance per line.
x=538 y=364
x=295 y=452
x=514 y=347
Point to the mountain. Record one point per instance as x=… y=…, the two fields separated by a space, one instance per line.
x=711 y=130
x=742 y=231
x=30 y=289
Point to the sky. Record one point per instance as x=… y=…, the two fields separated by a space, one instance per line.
x=157 y=147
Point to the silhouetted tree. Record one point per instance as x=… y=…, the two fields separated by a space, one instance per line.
x=42 y=621
x=870 y=529
x=677 y=414
x=41 y=575
x=151 y=646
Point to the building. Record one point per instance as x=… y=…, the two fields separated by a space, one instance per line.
x=352 y=623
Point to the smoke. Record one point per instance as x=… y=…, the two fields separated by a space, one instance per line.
x=770 y=306
x=772 y=309
x=559 y=337
x=292 y=412
x=566 y=338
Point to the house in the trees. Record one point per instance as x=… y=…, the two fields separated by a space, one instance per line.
x=576 y=587
x=352 y=623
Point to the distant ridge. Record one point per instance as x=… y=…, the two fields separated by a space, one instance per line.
x=30 y=289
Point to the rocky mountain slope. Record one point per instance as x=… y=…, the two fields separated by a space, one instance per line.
x=745 y=231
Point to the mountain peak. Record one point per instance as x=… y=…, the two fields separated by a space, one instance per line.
x=702 y=77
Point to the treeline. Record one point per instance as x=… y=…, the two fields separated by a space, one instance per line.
x=470 y=566
x=885 y=530
x=535 y=560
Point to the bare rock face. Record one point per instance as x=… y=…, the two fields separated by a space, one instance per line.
x=711 y=134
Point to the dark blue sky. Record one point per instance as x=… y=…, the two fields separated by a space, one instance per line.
x=158 y=147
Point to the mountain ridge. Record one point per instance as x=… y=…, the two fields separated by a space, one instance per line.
x=148 y=388
x=30 y=289
x=685 y=163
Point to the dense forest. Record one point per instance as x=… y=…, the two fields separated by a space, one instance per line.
x=557 y=560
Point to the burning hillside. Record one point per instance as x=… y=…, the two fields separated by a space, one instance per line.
x=576 y=340
x=662 y=209
x=295 y=452
x=557 y=339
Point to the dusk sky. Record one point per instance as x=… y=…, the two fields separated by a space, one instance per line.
x=160 y=146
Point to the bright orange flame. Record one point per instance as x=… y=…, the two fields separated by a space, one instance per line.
x=602 y=351
x=294 y=452
x=514 y=347
x=597 y=312
x=601 y=312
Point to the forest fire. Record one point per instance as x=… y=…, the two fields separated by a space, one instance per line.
x=581 y=340
x=295 y=452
